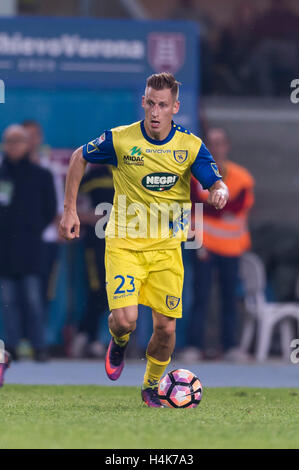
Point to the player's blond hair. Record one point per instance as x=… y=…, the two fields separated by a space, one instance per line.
x=159 y=81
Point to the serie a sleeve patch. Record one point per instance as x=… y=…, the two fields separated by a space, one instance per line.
x=101 y=150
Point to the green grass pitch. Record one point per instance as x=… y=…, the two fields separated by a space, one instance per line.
x=52 y=417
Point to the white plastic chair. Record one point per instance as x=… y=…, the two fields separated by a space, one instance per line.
x=266 y=314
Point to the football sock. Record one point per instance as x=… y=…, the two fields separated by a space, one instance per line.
x=120 y=340
x=154 y=371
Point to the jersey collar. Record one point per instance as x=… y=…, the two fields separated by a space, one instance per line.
x=158 y=142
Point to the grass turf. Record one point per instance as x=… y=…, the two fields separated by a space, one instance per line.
x=40 y=416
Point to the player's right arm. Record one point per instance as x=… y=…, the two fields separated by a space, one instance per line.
x=69 y=226
x=99 y=150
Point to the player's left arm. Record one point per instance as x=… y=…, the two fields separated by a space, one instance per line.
x=205 y=170
x=219 y=194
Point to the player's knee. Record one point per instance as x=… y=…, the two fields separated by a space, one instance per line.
x=120 y=323
x=127 y=325
x=165 y=331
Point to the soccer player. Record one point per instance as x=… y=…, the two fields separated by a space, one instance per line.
x=152 y=161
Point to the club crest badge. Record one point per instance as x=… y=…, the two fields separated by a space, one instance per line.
x=172 y=302
x=180 y=156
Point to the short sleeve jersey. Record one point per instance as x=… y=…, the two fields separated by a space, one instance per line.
x=152 y=183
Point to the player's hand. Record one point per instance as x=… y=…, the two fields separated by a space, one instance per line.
x=218 y=198
x=69 y=227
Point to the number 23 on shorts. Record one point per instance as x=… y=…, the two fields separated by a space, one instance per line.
x=126 y=284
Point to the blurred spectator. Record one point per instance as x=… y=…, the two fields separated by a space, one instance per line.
x=27 y=206
x=190 y=11
x=50 y=238
x=225 y=238
x=257 y=53
x=274 y=59
x=233 y=51
x=96 y=187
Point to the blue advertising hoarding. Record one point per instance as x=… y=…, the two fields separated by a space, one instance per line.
x=86 y=52
x=46 y=63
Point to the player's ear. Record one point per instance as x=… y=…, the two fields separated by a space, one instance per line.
x=176 y=107
x=143 y=101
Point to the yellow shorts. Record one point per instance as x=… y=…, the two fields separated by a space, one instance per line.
x=152 y=278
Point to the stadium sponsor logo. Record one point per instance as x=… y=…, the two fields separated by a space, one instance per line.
x=160 y=151
x=172 y=302
x=159 y=181
x=69 y=46
x=166 y=51
x=180 y=156
x=2 y=92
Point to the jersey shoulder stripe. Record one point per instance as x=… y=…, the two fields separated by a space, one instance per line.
x=182 y=129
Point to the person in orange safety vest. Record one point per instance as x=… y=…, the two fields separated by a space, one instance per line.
x=225 y=238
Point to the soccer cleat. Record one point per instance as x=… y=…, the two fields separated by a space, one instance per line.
x=3 y=366
x=150 y=397
x=114 y=361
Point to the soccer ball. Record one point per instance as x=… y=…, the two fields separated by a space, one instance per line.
x=180 y=388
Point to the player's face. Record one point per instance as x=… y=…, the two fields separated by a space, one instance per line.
x=159 y=107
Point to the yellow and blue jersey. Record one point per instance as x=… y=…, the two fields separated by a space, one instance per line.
x=150 y=177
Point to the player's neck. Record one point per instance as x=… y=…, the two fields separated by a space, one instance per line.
x=157 y=135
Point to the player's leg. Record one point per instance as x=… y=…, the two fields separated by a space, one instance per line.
x=122 y=321
x=160 y=348
x=163 y=293
x=158 y=354
x=124 y=274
